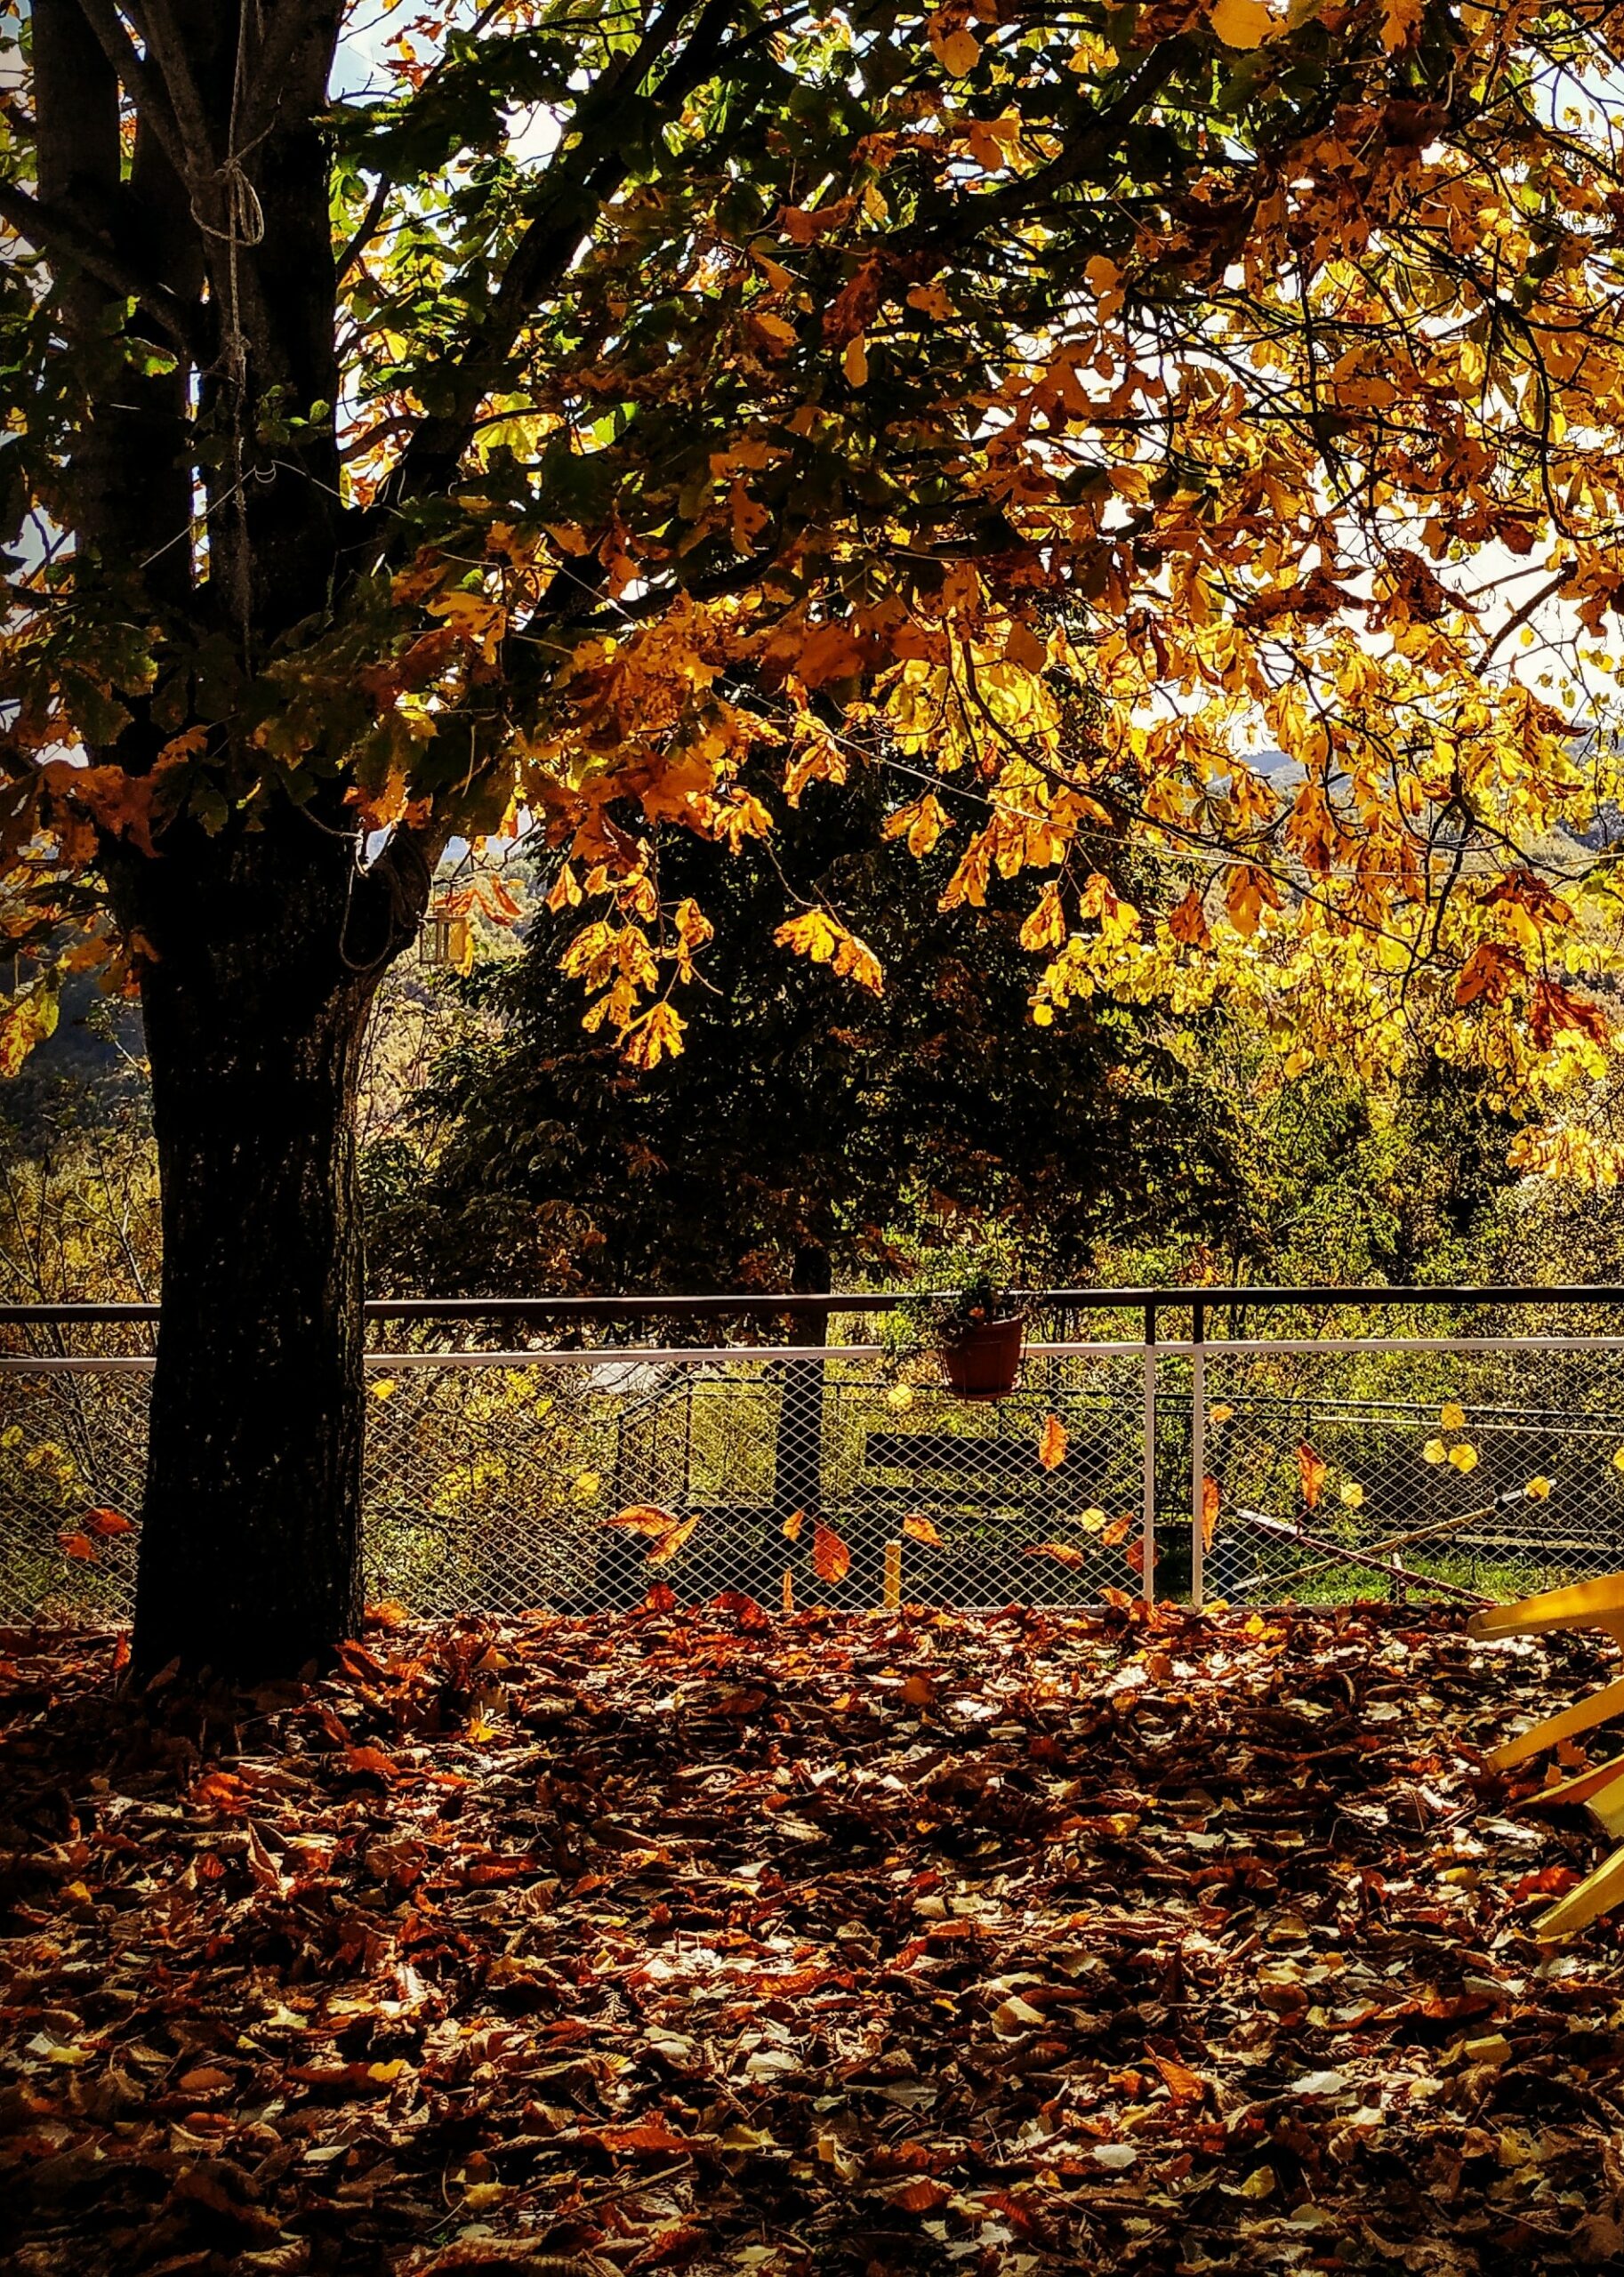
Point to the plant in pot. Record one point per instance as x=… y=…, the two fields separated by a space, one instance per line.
x=973 y=1331
x=978 y=1335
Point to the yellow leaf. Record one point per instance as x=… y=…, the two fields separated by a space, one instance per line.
x=1221 y=1413
x=481 y=622
x=1241 y=23
x=1464 y=1457
x=792 y=1526
x=1092 y=1521
x=1452 y=1417
x=587 y=1483
x=1538 y=1490
x=1351 y=1496
x=921 y=1530
x=932 y=302
x=854 y=363
x=921 y=822
x=657 y=1036
x=958 y=53
x=1045 y=928
x=1434 y=1450
x=900 y=1397
x=1401 y=19
x=825 y=940
x=1052 y=1443
x=385 y=1388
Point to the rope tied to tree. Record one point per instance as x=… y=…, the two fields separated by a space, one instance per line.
x=243 y=228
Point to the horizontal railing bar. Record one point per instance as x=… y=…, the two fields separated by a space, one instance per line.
x=818 y=1304
x=1261 y=1346
x=592 y=1355
x=610 y=1355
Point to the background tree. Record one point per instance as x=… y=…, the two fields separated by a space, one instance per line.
x=600 y=396
x=884 y=1129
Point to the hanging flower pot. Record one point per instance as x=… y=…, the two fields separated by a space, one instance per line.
x=979 y=1340
x=985 y=1359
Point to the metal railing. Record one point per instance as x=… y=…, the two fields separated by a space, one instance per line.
x=1327 y=1444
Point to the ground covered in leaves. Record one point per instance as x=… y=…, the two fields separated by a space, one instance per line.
x=1022 y=1944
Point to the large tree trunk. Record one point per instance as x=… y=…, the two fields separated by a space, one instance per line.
x=260 y=935
x=256 y=1007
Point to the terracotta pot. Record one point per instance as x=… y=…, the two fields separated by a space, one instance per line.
x=984 y=1363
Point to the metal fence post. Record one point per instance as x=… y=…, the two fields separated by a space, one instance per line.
x=1198 y=1455
x=1147 y=1533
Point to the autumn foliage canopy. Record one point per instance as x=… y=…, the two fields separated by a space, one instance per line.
x=1056 y=409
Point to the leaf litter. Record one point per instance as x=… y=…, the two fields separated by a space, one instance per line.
x=1018 y=1943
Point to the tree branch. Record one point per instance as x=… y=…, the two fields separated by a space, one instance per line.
x=365 y=230
x=1520 y=617
x=52 y=232
x=166 y=48
x=963 y=217
x=573 y=189
x=143 y=88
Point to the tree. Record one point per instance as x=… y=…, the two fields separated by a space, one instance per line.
x=881 y=1128
x=600 y=395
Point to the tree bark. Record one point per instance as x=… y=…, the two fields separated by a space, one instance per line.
x=266 y=953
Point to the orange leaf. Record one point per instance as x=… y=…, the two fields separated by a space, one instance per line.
x=792 y=1526
x=1135 y=1555
x=831 y=1558
x=1118 y=1529
x=1208 y=1511
x=1492 y=971
x=644 y=1517
x=79 y=1545
x=1188 y=923
x=1313 y=1472
x=1183 y=2085
x=1064 y=1553
x=104 y=1522
x=830 y=653
x=1052 y=1443
x=666 y=1548
x=921 y=1530
x=652 y=2140
x=371 y=1763
x=922 y=2195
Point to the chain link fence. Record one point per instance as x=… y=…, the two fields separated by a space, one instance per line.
x=1295 y=1460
